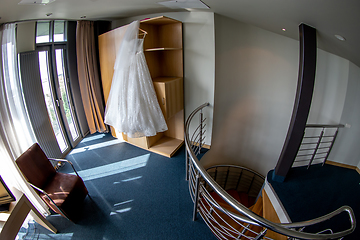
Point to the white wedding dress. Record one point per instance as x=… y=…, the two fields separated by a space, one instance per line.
x=132 y=106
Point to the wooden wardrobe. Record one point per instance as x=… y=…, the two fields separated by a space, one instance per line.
x=163 y=49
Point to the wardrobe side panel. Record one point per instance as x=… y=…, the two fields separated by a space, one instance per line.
x=107 y=60
x=109 y=44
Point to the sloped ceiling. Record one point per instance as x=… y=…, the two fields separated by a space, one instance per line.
x=329 y=17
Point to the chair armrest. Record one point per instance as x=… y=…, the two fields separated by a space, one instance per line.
x=66 y=161
x=39 y=189
x=47 y=195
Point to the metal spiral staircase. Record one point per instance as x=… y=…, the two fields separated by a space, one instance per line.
x=218 y=194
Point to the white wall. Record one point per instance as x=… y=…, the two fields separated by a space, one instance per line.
x=346 y=149
x=256 y=79
x=331 y=80
x=199 y=60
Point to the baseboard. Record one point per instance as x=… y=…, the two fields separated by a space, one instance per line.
x=203 y=146
x=341 y=165
x=206 y=146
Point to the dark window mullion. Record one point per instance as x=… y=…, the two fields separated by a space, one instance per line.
x=51 y=31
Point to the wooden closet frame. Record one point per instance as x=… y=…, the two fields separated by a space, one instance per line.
x=163 y=49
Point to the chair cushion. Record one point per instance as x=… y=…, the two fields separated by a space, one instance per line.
x=35 y=166
x=68 y=192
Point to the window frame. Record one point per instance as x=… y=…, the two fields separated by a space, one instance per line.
x=52 y=46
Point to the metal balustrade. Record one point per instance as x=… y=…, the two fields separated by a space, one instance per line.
x=316 y=145
x=225 y=216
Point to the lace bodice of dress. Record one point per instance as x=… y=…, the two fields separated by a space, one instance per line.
x=140 y=45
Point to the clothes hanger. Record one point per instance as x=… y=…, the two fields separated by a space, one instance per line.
x=143 y=32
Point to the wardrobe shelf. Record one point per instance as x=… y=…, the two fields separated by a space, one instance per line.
x=167 y=146
x=165 y=79
x=161 y=49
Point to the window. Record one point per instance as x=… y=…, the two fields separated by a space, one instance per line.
x=50 y=31
x=65 y=93
x=59 y=31
x=43 y=31
x=49 y=99
x=51 y=47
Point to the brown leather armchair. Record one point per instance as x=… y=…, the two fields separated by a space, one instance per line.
x=63 y=193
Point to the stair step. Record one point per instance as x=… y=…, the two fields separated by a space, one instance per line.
x=261 y=207
x=244 y=199
x=258 y=209
x=224 y=219
x=241 y=197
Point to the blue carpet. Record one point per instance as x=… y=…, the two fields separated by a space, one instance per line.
x=135 y=195
x=308 y=194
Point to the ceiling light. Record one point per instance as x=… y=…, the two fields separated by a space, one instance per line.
x=184 y=4
x=341 y=38
x=36 y=2
x=284 y=29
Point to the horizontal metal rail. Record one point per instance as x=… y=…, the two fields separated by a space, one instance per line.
x=319 y=142
x=246 y=215
x=325 y=125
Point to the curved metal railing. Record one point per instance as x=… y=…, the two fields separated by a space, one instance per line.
x=200 y=182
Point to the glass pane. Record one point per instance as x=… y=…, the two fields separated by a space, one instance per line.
x=59 y=56
x=50 y=101
x=42 y=31
x=59 y=31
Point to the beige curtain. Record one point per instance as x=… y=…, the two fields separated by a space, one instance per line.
x=88 y=76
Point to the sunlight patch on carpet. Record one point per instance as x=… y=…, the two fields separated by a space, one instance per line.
x=34 y=235
x=92 y=138
x=120 y=211
x=117 y=204
x=128 y=180
x=131 y=179
x=95 y=146
x=114 y=168
x=123 y=209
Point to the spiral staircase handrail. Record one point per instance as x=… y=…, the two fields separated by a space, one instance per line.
x=248 y=216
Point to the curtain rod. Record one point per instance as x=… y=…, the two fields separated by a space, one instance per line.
x=35 y=20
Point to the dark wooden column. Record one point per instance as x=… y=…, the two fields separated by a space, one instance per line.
x=304 y=92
